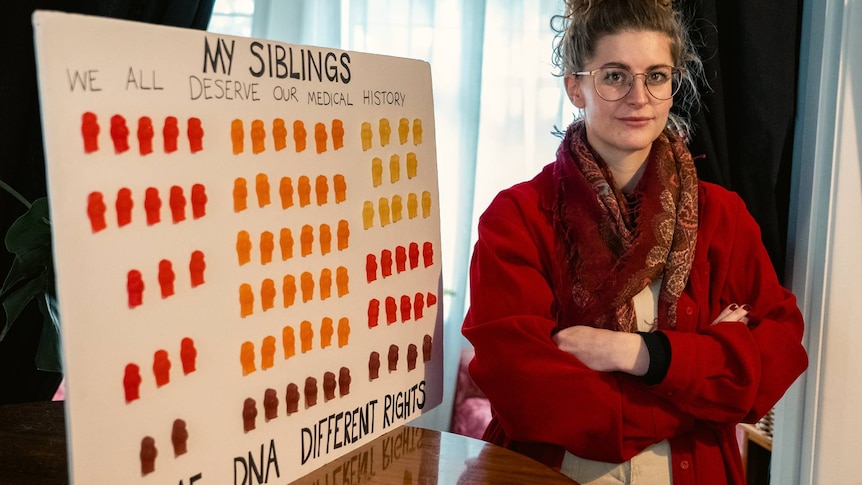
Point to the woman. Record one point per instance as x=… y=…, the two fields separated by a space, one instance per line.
x=624 y=315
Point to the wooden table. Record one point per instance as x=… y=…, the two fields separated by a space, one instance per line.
x=33 y=450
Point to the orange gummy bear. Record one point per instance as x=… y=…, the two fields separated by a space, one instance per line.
x=258 y=136
x=285 y=241
x=320 y=137
x=321 y=188
x=267 y=294
x=261 y=185
x=246 y=300
x=337 y=134
x=243 y=247
x=325 y=239
x=288 y=341
x=306 y=240
x=306 y=336
x=340 y=187
x=343 y=331
x=285 y=191
x=240 y=194
x=341 y=281
x=279 y=134
x=304 y=190
x=343 y=235
x=325 y=283
x=306 y=282
x=246 y=358
x=299 y=135
x=267 y=245
x=237 y=133
x=288 y=290
x=326 y=331
x=267 y=352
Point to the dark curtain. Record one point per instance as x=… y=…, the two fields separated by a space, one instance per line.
x=22 y=164
x=744 y=131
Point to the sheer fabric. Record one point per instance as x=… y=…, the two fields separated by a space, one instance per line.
x=496 y=104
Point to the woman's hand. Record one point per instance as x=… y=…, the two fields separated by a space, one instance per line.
x=733 y=313
x=605 y=350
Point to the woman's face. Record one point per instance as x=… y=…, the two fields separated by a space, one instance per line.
x=623 y=130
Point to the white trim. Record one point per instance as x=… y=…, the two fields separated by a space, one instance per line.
x=797 y=445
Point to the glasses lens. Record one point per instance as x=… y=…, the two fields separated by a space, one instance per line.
x=612 y=83
x=662 y=82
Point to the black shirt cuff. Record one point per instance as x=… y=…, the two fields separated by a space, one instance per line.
x=658 y=347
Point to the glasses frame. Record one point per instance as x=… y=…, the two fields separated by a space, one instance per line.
x=674 y=70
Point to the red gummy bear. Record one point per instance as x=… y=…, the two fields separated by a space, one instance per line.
x=170 y=133
x=132 y=382
x=96 y=211
x=145 y=135
x=153 y=206
x=135 y=288
x=119 y=133
x=166 y=278
x=196 y=135
x=124 y=207
x=197 y=266
x=90 y=132
x=178 y=204
x=199 y=201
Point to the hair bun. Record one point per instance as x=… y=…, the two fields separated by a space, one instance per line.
x=576 y=7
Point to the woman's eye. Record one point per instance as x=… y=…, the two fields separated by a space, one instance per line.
x=615 y=77
x=658 y=77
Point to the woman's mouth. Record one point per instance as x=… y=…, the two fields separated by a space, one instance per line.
x=635 y=121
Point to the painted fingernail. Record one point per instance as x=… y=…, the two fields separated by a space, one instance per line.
x=734 y=306
x=746 y=307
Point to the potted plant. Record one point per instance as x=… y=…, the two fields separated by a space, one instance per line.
x=31 y=278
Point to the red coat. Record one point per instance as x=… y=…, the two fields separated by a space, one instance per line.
x=544 y=400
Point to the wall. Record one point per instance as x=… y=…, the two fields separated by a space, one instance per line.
x=818 y=424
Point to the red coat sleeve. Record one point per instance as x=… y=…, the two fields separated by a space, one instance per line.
x=722 y=373
x=731 y=372
x=538 y=392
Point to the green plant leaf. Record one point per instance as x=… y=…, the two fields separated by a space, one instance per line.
x=17 y=299
x=26 y=266
x=49 y=351
x=30 y=231
x=31 y=277
x=31 y=274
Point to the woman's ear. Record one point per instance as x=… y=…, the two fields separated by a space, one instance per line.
x=573 y=89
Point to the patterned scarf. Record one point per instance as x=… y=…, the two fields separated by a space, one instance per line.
x=616 y=245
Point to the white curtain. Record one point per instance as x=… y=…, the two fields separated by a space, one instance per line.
x=495 y=98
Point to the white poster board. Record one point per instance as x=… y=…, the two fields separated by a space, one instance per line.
x=246 y=239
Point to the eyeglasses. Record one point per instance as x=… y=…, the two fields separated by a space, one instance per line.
x=615 y=83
